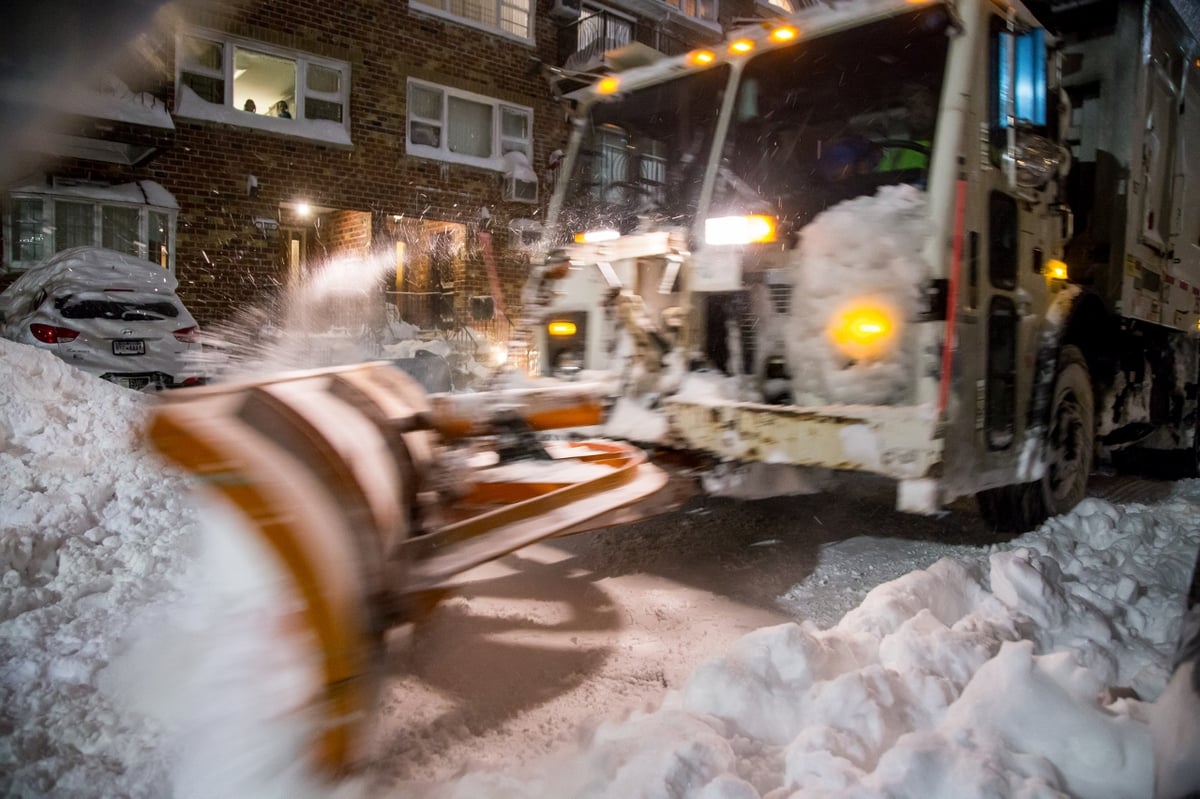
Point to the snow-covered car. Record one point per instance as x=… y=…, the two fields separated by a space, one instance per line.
x=108 y=313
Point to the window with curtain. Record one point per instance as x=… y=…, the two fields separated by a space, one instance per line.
x=510 y=17
x=119 y=228
x=74 y=225
x=462 y=127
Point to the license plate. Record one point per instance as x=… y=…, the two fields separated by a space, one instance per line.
x=129 y=347
x=136 y=383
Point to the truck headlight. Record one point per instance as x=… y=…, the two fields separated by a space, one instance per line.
x=749 y=229
x=863 y=330
x=594 y=236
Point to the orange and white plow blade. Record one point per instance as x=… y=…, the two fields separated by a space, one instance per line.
x=327 y=467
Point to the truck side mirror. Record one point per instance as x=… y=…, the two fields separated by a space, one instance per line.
x=1035 y=160
x=1020 y=109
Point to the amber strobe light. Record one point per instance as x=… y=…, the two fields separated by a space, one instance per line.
x=561 y=328
x=608 y=85
x=749 y=229
x=863 y=330
x=1055 y=269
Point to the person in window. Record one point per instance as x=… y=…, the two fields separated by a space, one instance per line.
x=250 y=107
x=281 y=110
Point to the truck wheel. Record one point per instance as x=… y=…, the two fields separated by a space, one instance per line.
x=1070 y=446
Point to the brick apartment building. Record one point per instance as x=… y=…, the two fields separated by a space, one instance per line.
x=410 y=127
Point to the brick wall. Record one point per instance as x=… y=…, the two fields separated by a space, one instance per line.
x=223 y=260
x=349 y=232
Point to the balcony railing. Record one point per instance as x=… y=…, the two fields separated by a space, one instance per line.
x=583 y=43
x=427 y=310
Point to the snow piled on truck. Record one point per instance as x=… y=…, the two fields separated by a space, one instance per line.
x=867 y=247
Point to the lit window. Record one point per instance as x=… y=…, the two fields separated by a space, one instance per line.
x=466 y=128
x=511 y=17
x=700 y=9
x=264 y=83
x=249 y=83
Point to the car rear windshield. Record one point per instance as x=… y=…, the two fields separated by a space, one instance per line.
x=126 y=310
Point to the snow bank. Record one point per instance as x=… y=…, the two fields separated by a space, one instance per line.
x=92 y=529
x=966 y=679
x=123 y=675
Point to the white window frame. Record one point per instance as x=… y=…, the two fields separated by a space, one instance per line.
x=441 y=8
x=189 y=104
x=442 y=151
x=50 y=226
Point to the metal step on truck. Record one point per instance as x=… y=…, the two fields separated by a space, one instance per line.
x=953 y=243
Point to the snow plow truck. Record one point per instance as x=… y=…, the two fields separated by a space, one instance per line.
x=956 y=244
x=944 y=242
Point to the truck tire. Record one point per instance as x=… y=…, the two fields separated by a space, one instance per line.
x=1069 y=446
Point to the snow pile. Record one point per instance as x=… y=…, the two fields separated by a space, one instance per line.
x=632 y=419
x=1026 y=671
x=91 y=529
x=838 y=263
x=949 y=682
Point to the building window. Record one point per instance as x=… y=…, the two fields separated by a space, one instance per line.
x=511 y=17
x=461 y=127
x=202 y=68
x=120 y=229
x=253 y=84
x=75 y=224
x=700 y=9
x=43 y=224
x=27 y=231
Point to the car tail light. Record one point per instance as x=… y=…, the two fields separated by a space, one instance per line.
x=188 y=335
x=193 y=381
x=51 y=334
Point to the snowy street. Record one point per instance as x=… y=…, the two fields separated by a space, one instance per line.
x=729 y=650
x=612 y=619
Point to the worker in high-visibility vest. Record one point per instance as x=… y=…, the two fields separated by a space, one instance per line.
x=915 y=131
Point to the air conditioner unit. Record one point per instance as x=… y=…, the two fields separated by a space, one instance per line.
x=525 y=234
x=566 y=9
x=520 y=191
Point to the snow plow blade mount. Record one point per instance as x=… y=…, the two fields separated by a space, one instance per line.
x=336 y=470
